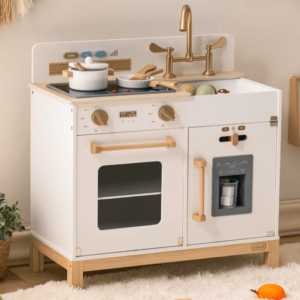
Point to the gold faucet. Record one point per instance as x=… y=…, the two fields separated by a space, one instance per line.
x=186 y=25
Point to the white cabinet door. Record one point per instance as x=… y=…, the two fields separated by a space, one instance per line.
x=259 y=219
x=129 y=199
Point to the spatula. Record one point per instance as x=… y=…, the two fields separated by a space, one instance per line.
x=143 y=71
x=141 y=76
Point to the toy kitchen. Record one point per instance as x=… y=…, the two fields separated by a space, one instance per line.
x=185 y=167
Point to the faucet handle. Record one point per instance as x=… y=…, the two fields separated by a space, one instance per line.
x=156 y=49
x=219 y=44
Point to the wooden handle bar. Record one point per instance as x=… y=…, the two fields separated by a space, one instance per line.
x=201 y=163
x=169 y=143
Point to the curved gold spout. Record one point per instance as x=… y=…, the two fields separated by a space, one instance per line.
x=186 y=25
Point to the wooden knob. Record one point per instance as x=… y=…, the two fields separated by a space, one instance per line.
x=166 y=113
x=100 y=117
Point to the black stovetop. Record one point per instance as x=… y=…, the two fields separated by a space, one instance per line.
x=112 y=90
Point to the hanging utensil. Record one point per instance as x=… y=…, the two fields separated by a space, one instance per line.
x=143 y=71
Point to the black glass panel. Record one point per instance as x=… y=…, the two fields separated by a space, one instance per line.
x=129 y=179
x=64 y=89
x=129 y=212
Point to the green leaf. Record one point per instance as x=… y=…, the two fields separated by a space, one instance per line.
x=10 y=219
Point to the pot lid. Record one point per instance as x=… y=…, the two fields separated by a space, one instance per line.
x=90 y=65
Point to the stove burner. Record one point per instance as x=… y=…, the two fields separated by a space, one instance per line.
x=112 y=90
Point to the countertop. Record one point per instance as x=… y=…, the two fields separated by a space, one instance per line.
x=42 y=87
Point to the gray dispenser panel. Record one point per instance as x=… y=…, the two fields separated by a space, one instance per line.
x=231 y=169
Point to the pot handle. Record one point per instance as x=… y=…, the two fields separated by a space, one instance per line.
x=201 y=163
x=67 y=73
x=111 y=71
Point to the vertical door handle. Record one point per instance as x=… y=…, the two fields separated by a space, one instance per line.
x=201 y=163
x=234 y=139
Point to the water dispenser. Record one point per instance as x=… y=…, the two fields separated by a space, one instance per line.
x=232 y=185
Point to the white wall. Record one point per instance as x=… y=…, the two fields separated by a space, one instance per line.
x=267 y=50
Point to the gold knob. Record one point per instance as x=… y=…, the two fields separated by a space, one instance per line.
x=166 y=113
x=100 y=117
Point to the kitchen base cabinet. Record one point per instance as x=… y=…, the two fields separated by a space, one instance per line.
x=76 y=269
x=129 y=193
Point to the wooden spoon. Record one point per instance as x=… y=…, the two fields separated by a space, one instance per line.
x=79 y=66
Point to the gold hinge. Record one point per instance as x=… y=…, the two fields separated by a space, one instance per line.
x=78 y=252
x=180 y=241
x=273 y=121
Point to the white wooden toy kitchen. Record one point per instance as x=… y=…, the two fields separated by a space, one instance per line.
x=140 y=186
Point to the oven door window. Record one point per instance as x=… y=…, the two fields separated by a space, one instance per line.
x=129 y=195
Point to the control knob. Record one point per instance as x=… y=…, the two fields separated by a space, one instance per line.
x=166 y=113
x=100 y=117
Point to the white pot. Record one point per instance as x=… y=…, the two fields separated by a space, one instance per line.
x=94 y=78
x=91 y=80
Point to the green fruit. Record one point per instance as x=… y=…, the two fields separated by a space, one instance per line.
x=205 y=89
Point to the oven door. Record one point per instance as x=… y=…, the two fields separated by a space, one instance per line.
x=131 y=197
x=236 y=182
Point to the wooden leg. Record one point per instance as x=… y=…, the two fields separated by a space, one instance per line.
x=41 y=261
x=36 y=259
x=75 y=273
x=272 y=257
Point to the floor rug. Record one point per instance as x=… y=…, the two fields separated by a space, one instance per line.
x=229 y=278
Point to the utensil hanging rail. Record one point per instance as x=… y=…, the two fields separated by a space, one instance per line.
x=169 y=143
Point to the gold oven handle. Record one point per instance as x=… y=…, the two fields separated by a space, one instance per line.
x=201 y=163
x=169 y=143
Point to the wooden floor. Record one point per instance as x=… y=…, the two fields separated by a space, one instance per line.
x=22 y=278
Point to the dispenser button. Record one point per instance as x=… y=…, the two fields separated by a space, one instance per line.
x=100 y=53
x=231 y=172
x=69 y=55
x=85 y=54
